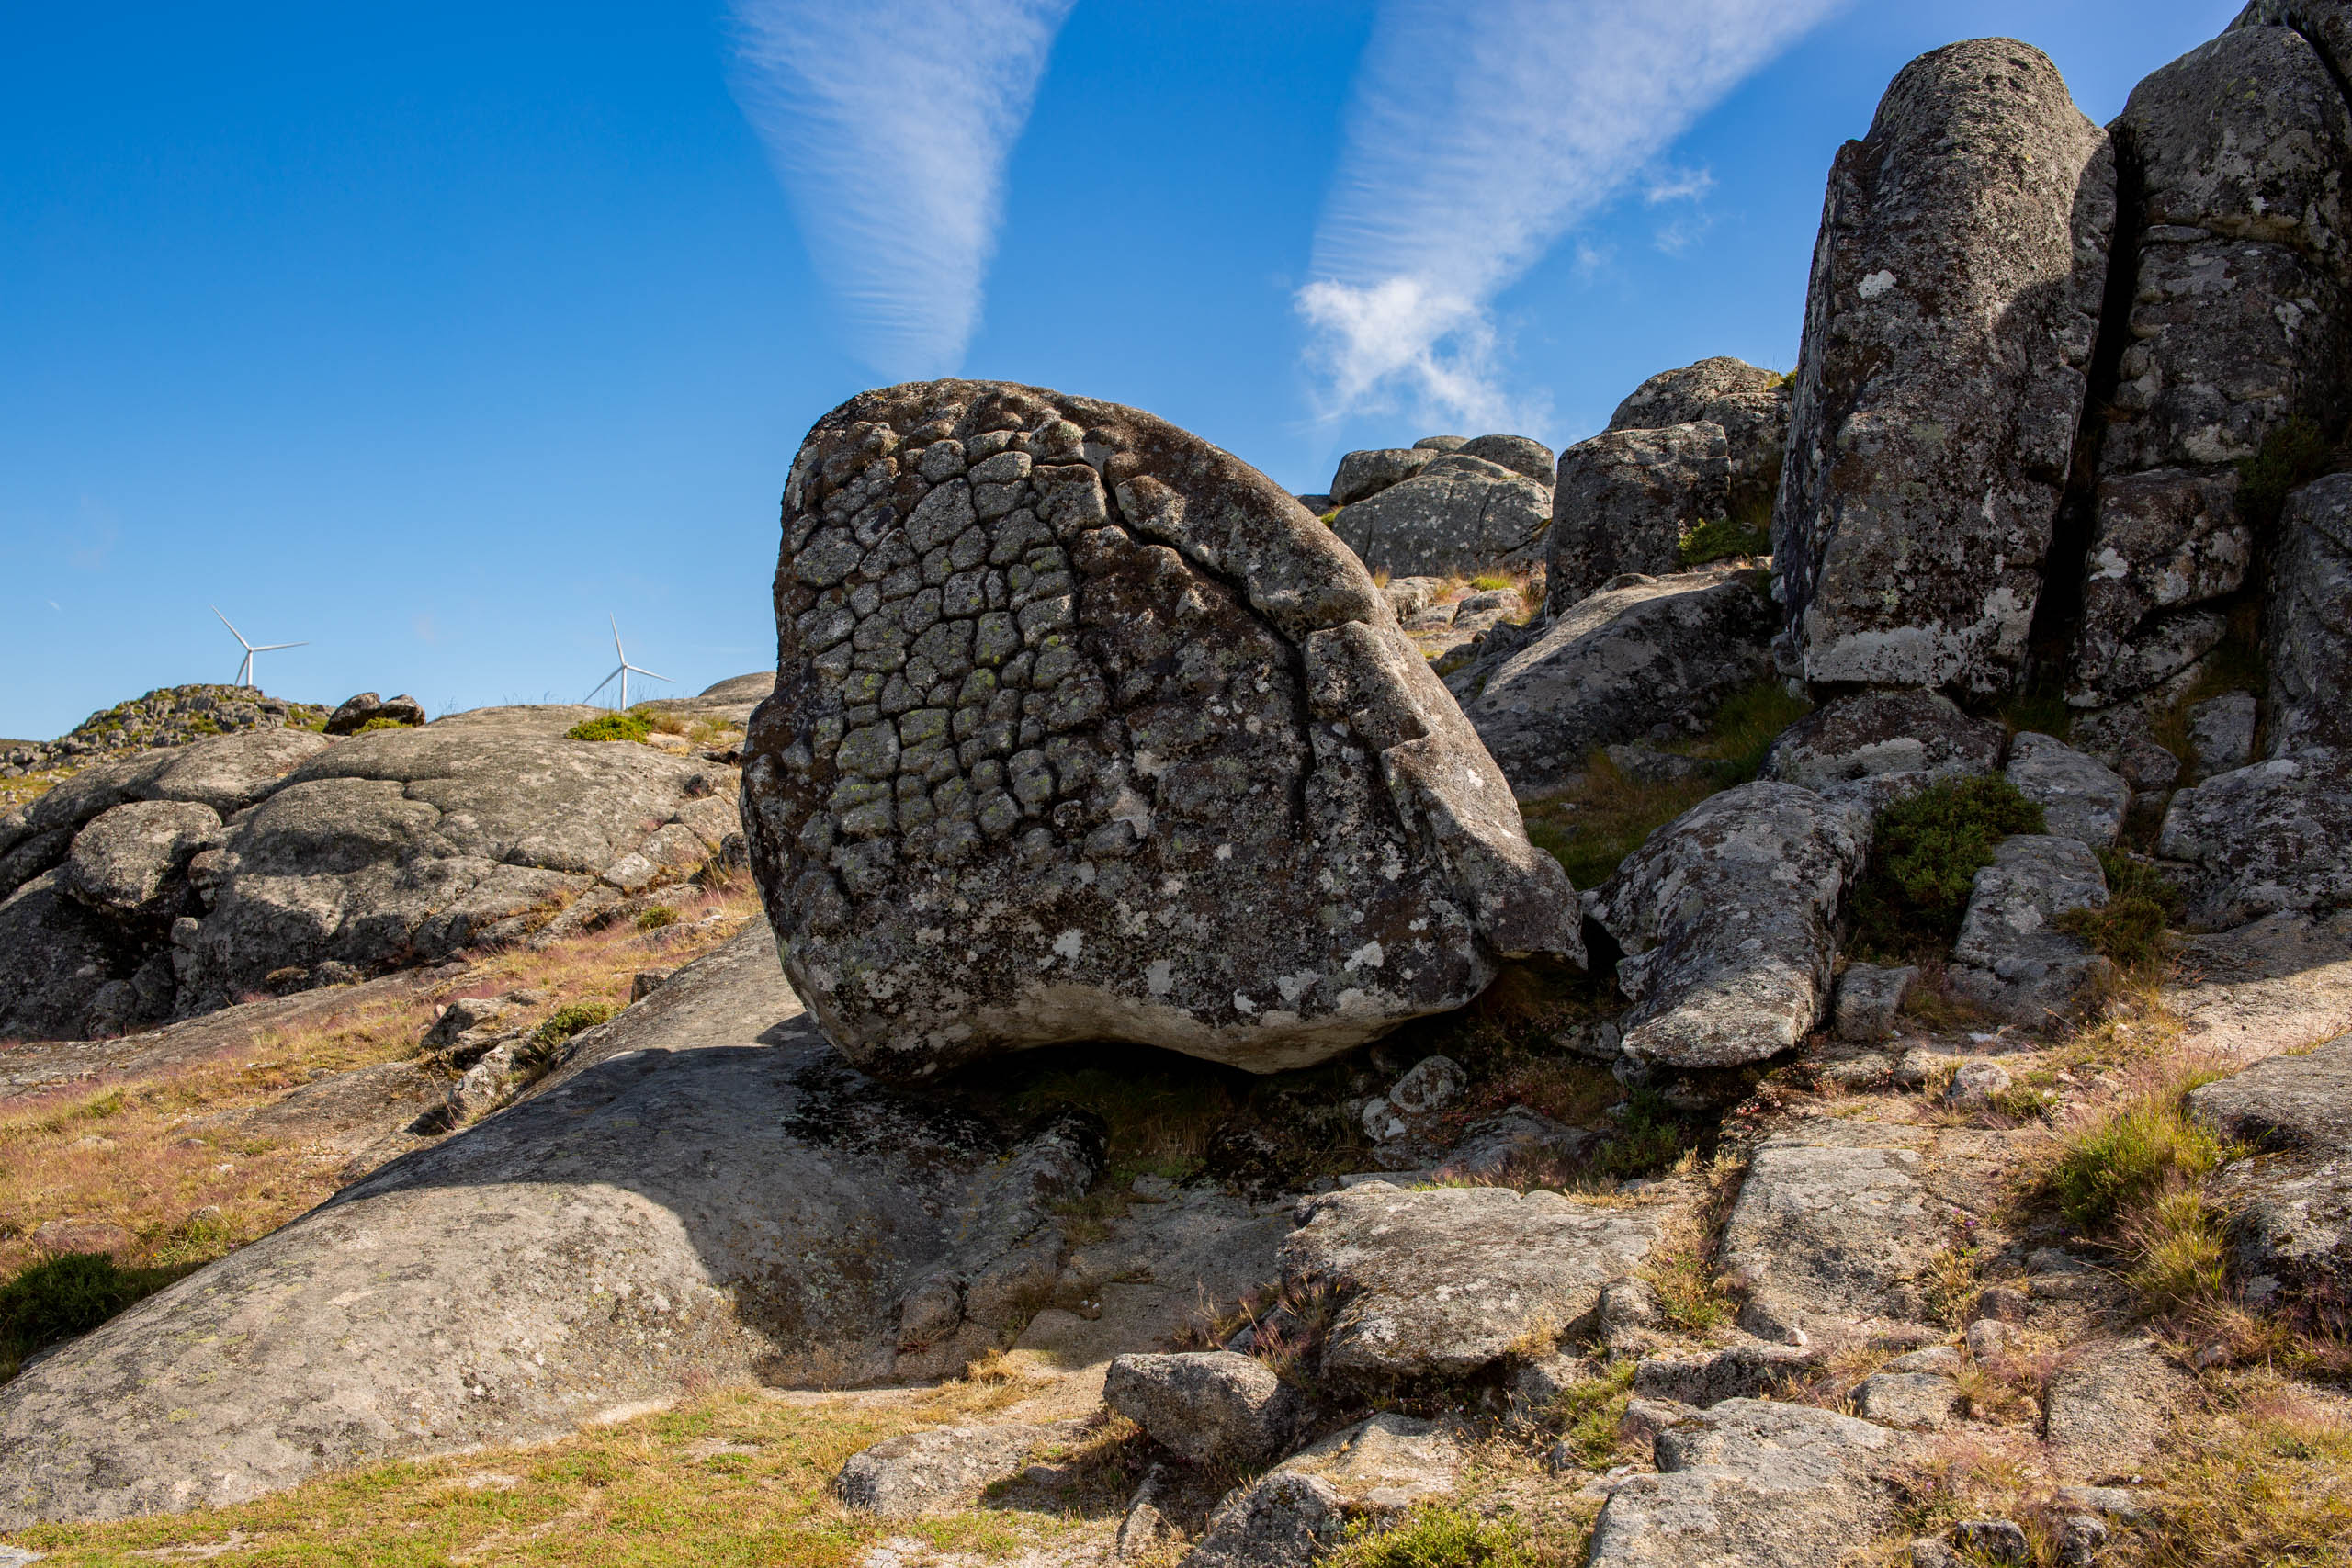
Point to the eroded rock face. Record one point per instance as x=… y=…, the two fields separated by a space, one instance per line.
x=2310 y=631
x=1727 y=919
x=1458 y=514
x=1748 y=403
x=2080 y=796
x=1365 y=474
x=2012 y=957
x=1206 y=1408
x=2238 y=324
x=1955 y=297
x=556 y=1260
x=1444 y=1283
x=125 y=860
x=1624 y=500
x=1375 y=1469
x=2274 y=836
x=1086 y=731
x=1652 y=656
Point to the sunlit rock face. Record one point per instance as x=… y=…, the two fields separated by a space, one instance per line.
x=1086 y=730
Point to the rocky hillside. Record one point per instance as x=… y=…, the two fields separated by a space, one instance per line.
x=1822 y=1035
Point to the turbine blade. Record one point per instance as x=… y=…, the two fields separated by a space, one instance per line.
x=642 y=671
x=616 y=640
x=233 y=631
x=267 y=647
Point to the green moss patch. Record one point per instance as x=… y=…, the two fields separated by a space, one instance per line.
x=1924 y=862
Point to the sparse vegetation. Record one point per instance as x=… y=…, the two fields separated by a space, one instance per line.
x=2266 y=1482
x=611 y=727
x=1722 y=538
x=2142 y=905
x=568 y=1019
x=1589 y=1415
x=1435 y=1535
x=67 y=1295
x=657 y=917
x=2293 y=454
x=380 y=722
x=1925 y=859
x=2119 y=1160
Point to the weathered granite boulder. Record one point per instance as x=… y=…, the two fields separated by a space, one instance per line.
x=1832 y=1232
x=1624 y=500
x=1909 y=738
x=2308 y=633
x=367 y=707
x=1086 y=731
x=1747 y=403
x=1523 y=455
x=1442 y=1283
x=56 y=956
x=2012 y=959
x=2293 y=1197
x=2274 y=836
x=2238 y=324
x=1649 y=657
x=1458 y=514
x=560 y=1258
x=1362 y=475
x=1870 y=998
x=1737 y=1372
x=1955 y=297
x=2080 y=796
x=403 y=845
x=1209 y=1408
x=126 y=860
x=1727 y=920
x=1756 y=1483
x=1367 y=1473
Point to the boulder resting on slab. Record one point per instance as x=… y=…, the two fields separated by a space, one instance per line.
x=702 y=1193
x=1727 y=919
x=1086 y=731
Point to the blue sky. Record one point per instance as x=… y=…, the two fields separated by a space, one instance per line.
x=435 y=333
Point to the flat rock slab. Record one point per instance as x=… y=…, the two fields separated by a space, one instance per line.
x=1832 y=1230
x=2281 y=981
x=1443 y=1282
x=1086 y=731
x=703 y=1193
x=1652 y=653
x=1758 y=1484
x=942 y=1470
x=2107 y=1410
x=1727 y=920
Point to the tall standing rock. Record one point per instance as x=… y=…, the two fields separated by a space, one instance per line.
x=1085 y=731
x=1954 y=302
x=2237 y=325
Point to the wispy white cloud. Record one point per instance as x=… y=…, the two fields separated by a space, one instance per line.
x=1669 y=184
x=1473 y=143
x=889 y=122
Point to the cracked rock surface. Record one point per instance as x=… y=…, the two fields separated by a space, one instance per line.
x=1085 y=731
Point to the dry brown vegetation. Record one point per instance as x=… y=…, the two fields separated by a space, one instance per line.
x=133 y=1151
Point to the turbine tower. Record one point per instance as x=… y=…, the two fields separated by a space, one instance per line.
x=624 y=670
x=245 y=669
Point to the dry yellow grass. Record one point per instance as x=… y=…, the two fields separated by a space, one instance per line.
x=122 y=1151
x=733 y=1477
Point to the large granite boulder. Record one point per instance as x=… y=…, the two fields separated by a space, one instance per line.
x=1459 y=513
x=127 y=859
x=2080 y=796
x=2293 y=1195
x=2309 y=629
x=2013 y=958
x=1955 y=295
x=1889 y=741
x=1750 y=404
x=1727 y=919
x=1650 y=657
x=2274 y=836
x=703 y=1194
x=2237 y=325
x=401 y=846
x=1362 y=475
x=1523 y=455
x=1624 y=500
x=1085 y=731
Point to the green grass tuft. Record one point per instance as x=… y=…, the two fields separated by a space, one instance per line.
x=2121 y=1163
x=69 y=1294
x=568 y=1021
x=1436 y=1534
x=656 y=917
x=2142 y=905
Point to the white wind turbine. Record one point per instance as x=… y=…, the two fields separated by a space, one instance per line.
x=624 y=672
x=245 y=669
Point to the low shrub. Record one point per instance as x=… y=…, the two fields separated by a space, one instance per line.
x=380 y=722
x=1924 y=861
x=69 y=1294
x=1721 y=539
x=610 y=726
x=567 y=1020
x=654 y=919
